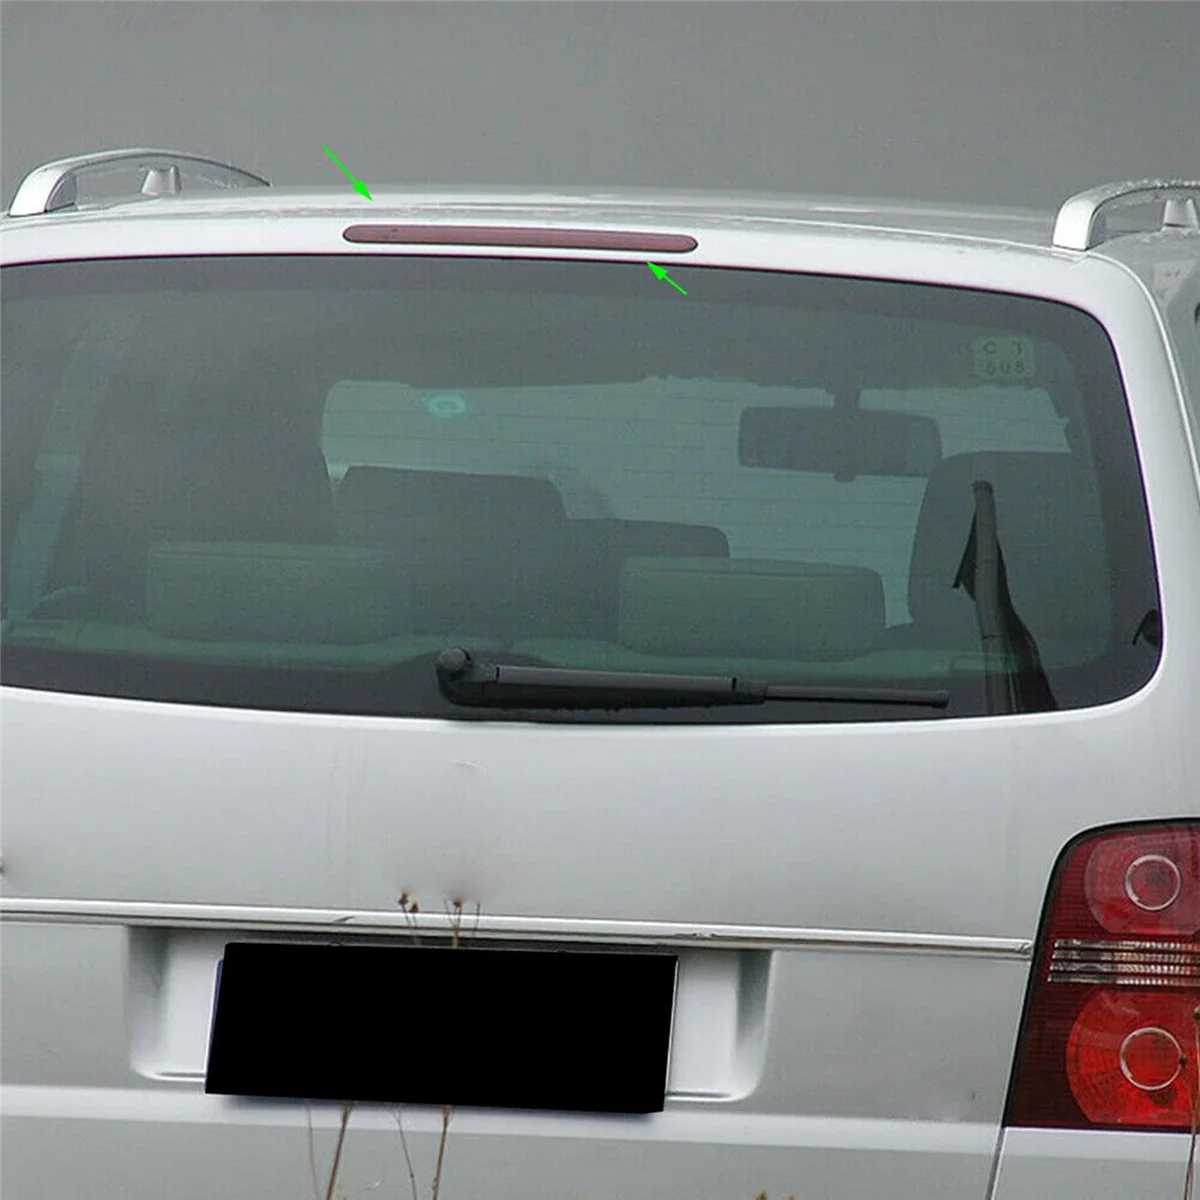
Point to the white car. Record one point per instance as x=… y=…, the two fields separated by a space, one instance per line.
x=533 y=696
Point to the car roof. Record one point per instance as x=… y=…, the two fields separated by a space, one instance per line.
x=693 y=210
x=240 y=213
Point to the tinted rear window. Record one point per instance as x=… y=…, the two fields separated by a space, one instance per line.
x=289 y=483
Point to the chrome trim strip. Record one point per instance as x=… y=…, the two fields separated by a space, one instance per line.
x=1075 y=227
x=1177 y=945
x=248 y=917
x=1125 y=962
x=1127 y=980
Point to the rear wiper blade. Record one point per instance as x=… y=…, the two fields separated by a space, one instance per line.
x=467 y=680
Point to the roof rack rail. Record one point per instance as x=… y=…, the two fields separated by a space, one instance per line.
x=1078 y=227
x=52 y=186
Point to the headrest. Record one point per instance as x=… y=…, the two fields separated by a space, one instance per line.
x=1050 y=532
x=273 y=592
x=749 y=608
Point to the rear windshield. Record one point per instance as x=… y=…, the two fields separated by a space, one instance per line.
x=293 y=482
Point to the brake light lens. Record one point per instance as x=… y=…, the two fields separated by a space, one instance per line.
x=1111 y=1033
x=522 y=236
x=1145 y=884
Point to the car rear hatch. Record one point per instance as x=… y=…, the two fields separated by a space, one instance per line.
x=236 y=749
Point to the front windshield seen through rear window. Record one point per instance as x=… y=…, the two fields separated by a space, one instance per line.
x=291 y=483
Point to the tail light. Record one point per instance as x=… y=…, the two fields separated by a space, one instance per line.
x=1111 y=1032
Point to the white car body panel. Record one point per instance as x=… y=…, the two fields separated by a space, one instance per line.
x=816 y=1003
x=1040 y=1164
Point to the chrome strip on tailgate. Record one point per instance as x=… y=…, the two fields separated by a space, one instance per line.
x=757 y=937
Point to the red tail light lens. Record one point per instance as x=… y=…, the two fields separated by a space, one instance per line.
x=1145 y=883
x=1112 y=1019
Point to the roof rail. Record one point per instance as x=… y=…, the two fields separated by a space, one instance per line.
x=52 y=187
x=1078 y=227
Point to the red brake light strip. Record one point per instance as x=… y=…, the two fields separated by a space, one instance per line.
x=503 y=235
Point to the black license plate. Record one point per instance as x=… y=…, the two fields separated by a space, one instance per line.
x=495 y=1028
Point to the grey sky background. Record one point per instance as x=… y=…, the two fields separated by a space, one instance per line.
x=1007 y=103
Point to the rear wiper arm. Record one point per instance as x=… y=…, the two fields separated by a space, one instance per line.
x=1014 y=679
x=467 y=680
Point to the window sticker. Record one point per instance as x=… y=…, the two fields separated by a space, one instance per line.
x=446 y=404
x=1004 y=359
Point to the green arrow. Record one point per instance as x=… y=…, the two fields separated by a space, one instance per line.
x=359 y=186
x=661 y=274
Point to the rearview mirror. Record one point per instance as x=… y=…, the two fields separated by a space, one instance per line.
x=837 y=442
